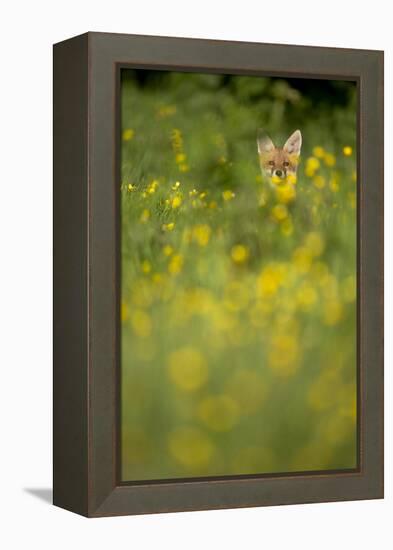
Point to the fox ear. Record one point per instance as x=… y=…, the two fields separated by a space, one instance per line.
x=294 y=143
x=265 y=144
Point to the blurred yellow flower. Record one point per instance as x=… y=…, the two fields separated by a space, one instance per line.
x=240 y=253
x=131 y=187
x=352 y=199
x=166 y=110
x=323 y=392
x=228 y=195
x=285 y=193
x=128 y=134
x=279 y=212
x=306 y=297
x=141 y=323
x=180 y=157
x=124 y=312
x=315 y=243
x=152 y=187
x=188 y=369
x=318 y=152
x=219 y=412
x=201 y=234
x=176 y=185
x=349 y=288
x=183 y=167
x=312 y=165
x=286 y=227
x=319 y=181
x=177 y=140
x=168 y=226
x=190 y=447
x=248 y=389
x=283 y=357
x=167 y=250
x=302 y=259
x=276 y=180
x=193 y=193
x=329 y=159
x=176 y=201
x=334 y=185
x=236 y=296
x=270 y=279
x=176 y=264
x=332 y=312
x=347 y=150
x=146 y=266
x=145 y=216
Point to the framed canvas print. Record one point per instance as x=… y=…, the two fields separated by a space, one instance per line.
x=218 y=260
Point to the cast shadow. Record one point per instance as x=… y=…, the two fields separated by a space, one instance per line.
x=44 y=494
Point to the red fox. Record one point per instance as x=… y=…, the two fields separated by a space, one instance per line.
x=279 y=164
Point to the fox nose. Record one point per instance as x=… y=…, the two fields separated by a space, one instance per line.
x=279 y=173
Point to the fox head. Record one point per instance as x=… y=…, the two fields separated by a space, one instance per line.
x=277 y=162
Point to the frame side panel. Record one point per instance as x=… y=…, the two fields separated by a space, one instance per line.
x=70 y=267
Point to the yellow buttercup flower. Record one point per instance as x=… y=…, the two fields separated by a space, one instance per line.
x=306 y=297
x=285 y=193
x=167 y=250
x=319 y=181
x=168 y=226
x=201 y=234
x=190 y=447
x=240 y=253
x=318 y=152
x=312 y=165
x=271 y=278
x=124 y=312
x=284 y=354
x=128 y=134
x=146 y=266
x=347 y=150
x=145 y=216
x=228 y=195
x=176 y=264
x=332 y=312
x=329 y=159
x=166 y=111
x=279 y=212
x=349 y=288
x=315 y=243
x=248 y=389
x=141 y=323
x=286 y=227
x=180 y=157
x=176 y=201
x=302 y=259
x=219 y=412
x=188 y=369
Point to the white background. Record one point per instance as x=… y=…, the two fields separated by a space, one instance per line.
x=28 y=29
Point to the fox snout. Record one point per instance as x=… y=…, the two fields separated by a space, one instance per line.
x=279 y=162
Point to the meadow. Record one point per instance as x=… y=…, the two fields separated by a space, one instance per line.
x=238 y=300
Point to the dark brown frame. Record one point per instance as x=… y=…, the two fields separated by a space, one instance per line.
x=86 y=273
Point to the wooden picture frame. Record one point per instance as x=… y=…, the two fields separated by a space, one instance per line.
x=86 y=271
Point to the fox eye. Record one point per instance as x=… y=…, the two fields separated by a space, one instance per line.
x=271 y=162
x=286 y=163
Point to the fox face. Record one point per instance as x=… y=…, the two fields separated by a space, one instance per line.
x=279 y=164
